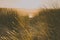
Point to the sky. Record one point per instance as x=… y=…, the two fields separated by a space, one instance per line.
x=29 y=4
x=29 y=7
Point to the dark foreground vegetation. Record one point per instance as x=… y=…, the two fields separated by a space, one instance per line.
x=44 y=26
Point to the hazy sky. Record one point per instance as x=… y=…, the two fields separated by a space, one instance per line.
x=29 y=4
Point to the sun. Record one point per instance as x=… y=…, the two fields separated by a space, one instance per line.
x=26 y=7
x=31 y=7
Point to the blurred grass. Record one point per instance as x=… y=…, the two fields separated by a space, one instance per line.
x=44 y=26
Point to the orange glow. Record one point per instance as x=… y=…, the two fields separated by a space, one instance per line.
x=30 y=13
x=24 y=7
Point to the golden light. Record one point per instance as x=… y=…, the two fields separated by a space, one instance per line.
x=28 y=7
x=28 y=12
